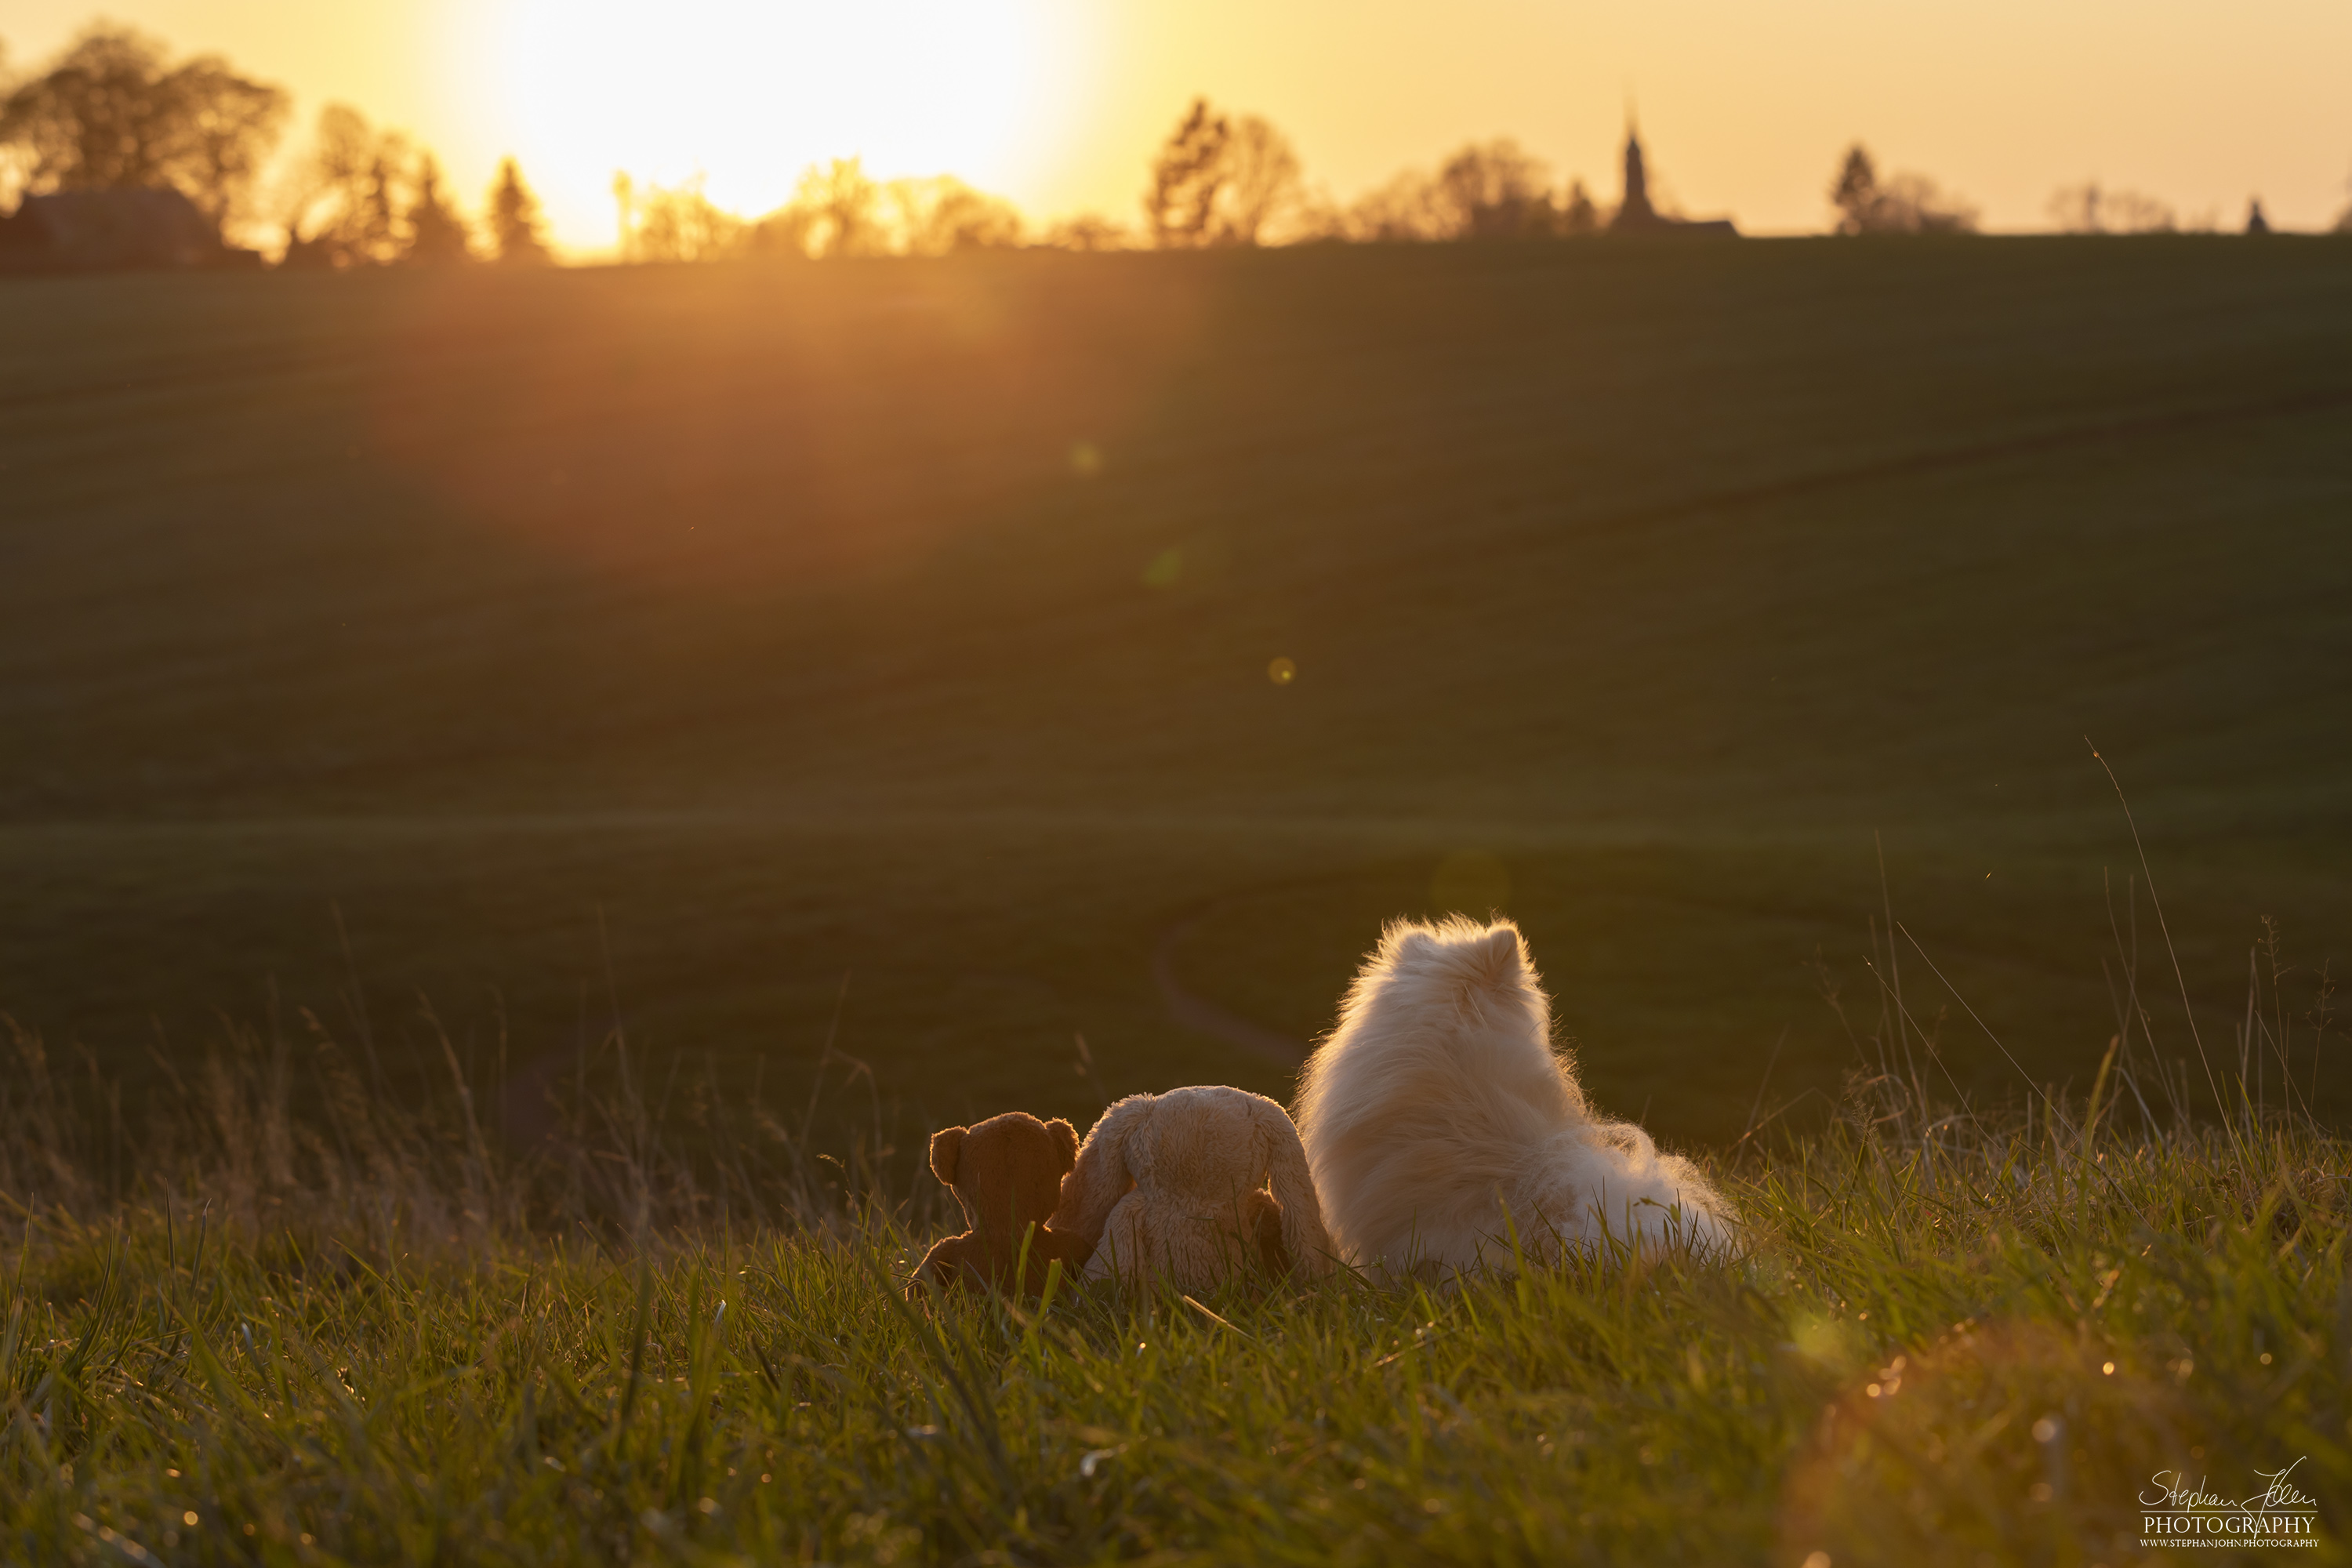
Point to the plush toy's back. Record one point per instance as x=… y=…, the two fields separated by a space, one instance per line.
x=1170 y=1186
x=1437 y=1118
x=1006 y=1173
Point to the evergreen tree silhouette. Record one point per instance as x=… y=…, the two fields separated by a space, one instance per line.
x=437 y=235
x=518 y=231
x=1854 y=192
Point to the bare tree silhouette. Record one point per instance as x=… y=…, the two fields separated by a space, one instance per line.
x=1219 y=180
x=1405 y=208
x=941 y=216
x=1261 y=184
x=364 y=197
x=1495 y=191
x=2087 y=208
x=839 y=211
x=1490 y=190
x=341 y=199
x=678 y=224
x=1186 y=175
x=1088 y=231
x=1900 y=203
x=110 y=114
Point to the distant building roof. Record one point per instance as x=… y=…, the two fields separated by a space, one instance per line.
x=98 y=230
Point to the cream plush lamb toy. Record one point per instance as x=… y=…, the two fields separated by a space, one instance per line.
x=1174 y=1186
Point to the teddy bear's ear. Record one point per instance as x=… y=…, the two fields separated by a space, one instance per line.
x=1065 y=1138
x=946 y=1147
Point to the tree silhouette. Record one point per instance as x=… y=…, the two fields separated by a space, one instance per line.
x=108 y=114
x=344 y=202
x=1404 y=209
x=2087 y=208
x=1088 y=231
x=1903 y=204
x=518 y=231
x=1218 y=180
x=1492 y=189
x=1185 y=176
x=1494 y=192
x=1261 y=183
x=678 y=224
x=1854 y=192
x=941 y=216
x=438 y=236
x=1578 y=215
x=838 y=209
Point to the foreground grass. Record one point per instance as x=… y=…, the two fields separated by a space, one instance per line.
x=1976 y=1344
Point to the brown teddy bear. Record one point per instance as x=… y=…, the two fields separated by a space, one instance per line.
x=1007 y=1173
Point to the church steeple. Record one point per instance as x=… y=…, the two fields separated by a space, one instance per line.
x=1634 y=211
x=1637 y=213
x=1637 y=179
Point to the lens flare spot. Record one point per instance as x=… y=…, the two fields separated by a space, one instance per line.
x=1086 y=459
x=1281 y=672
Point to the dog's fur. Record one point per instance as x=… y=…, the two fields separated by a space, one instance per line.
x=1438 y=1121
x=1170 y=1186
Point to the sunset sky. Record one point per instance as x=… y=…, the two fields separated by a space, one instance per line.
x=1057 y=103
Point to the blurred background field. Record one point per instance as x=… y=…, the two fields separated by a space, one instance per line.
x=685 y=642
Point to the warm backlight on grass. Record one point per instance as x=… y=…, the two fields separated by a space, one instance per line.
x=749 y=94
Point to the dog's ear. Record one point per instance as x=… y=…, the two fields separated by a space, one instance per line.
x=1066 y=1140
x=1406 y=937
x=1497 y=956
x=946 y=1147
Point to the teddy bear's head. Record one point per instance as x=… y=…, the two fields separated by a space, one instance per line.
x=1007 y=1171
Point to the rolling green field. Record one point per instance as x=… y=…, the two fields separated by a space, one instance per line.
x=686 y=646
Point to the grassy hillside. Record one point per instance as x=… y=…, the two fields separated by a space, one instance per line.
x=372 y=1339
x=681 y=642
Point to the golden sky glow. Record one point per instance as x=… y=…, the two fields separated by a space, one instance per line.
x=1057 y=103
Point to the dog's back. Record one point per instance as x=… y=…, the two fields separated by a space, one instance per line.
x=1437 y=1108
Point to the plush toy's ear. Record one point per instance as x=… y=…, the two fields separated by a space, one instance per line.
x=1100 y=1178
x=1065 y=1139
x=946 y=1147
x=1300 y=1224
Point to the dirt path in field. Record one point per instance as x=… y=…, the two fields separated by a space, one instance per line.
x=1197 y=1012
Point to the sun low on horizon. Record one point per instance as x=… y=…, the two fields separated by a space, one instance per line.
x=746 y=95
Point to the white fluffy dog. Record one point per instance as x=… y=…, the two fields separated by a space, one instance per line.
x=1437 y=1121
